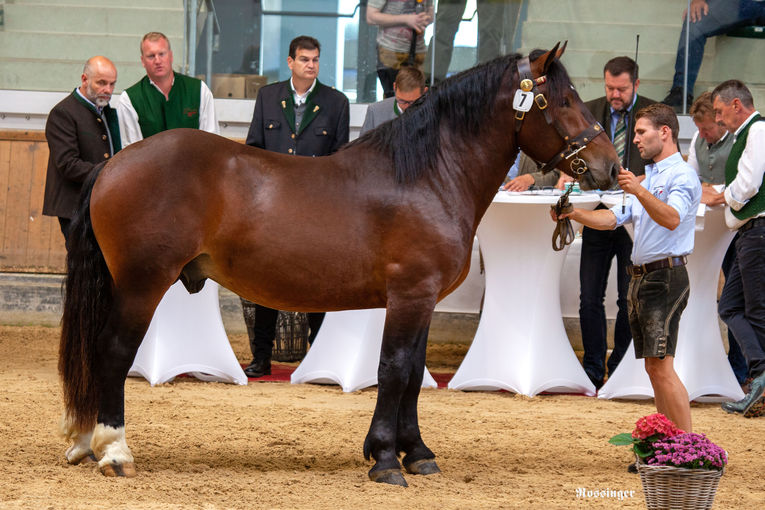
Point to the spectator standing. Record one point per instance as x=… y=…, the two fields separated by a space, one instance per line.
x=82 y=131
x=400 y=38
x=708 y=153
x=742 y=303
x=284 y=111
x=163 y=99
x=616 y=113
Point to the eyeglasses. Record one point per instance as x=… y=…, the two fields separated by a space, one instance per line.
x=404 y=102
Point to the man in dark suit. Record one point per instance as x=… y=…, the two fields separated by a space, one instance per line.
x=82 y=131
x=616 y=112
x=303 y=117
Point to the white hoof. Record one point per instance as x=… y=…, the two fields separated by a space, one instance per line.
x=109 y=446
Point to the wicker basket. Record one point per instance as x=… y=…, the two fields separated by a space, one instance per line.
x=669 y=487
x=291 y=340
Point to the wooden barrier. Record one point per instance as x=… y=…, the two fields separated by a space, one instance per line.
x=30 y=242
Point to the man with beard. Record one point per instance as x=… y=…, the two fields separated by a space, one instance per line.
x=82 y=131
x=662 y=210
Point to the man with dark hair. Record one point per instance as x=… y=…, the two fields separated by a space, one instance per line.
x=616 y=113
x=303 y=117
x=408 y=87
x=163 y=99
x=662 y=209
x=742 y=303
x=709 y=150
x=82 y=131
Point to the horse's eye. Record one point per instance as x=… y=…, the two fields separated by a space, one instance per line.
x=566 y=103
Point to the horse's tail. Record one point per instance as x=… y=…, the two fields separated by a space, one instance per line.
x=87 y=302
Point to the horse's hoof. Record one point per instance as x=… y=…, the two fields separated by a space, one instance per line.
x=389 y=476
x=127 y=470
x=422 y=467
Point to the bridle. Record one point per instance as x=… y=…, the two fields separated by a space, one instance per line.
x=572 y=145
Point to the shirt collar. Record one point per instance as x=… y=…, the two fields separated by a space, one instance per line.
x=720 y=141
x=97 y=108
x=300 y=99
x=667 y=162
x=157 y=87
x=747 y=121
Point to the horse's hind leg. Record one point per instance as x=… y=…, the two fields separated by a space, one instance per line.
x=404 y=325
x=117 y=346
x=419 y=459
x=79 y=452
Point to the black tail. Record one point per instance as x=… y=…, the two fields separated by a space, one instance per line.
x=87 y=302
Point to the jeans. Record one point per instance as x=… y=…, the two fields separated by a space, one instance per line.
x=598 y=250
x=724 y=16
x=742 y=303
x=735 y=356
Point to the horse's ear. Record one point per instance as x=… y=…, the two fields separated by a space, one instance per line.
x=559 y=53
x=551 y=55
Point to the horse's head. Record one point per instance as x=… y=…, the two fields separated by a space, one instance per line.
x=557 y=128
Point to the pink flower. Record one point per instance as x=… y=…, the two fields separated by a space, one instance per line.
x=655 y=425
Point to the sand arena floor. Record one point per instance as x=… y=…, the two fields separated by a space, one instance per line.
x=273 y=445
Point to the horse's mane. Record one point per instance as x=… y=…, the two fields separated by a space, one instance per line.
x=462 y=102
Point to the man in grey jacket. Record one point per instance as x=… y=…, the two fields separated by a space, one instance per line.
x=408 y=87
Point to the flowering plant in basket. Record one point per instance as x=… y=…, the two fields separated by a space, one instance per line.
x=648 y=430
x=658 y=442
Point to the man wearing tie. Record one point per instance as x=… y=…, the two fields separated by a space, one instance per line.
x=616 y=112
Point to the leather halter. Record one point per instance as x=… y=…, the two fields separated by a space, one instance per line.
x=572 y=145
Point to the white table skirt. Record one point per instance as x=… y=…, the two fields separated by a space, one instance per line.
x=521 y=344
x=186 y=335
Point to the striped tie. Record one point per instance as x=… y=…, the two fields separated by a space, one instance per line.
x=620 y=136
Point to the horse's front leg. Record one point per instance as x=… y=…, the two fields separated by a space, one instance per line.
x=404 y=325
x=419 y=459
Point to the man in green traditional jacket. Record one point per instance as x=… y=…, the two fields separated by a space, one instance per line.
x=163 y=99
x=742 y=303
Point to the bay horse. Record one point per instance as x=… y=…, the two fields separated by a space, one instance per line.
x=387 y=221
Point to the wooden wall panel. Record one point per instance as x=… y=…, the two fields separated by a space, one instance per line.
x=29 y=241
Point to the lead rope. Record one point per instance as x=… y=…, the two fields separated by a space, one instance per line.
x=564 y=231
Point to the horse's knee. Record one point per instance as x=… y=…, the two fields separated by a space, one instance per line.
x=109 y=446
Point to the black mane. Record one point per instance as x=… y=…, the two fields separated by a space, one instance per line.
x=462 y=102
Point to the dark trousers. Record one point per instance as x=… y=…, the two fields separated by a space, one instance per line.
x=64 y=224
x=261 y=327
x=735 y=356
x=598 y=250
x=742 y=303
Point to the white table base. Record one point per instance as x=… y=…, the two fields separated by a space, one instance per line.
x=186 y=335
x=346 y=351
x=521 y=344
x=700 y=359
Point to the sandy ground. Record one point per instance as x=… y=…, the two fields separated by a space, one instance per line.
x=274 y=445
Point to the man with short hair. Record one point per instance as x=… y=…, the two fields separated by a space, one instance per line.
x=709 y=150
x=82 y=131
x=742 y=303
x=163 y=99
x=616 y=113
x=408 y=87
x=662 y=209
x=303 y=117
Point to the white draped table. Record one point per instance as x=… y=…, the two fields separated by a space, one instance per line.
x=186 y=335
x=521 y=343
x=700 y=359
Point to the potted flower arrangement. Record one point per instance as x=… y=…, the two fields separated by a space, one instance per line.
x=677 y=469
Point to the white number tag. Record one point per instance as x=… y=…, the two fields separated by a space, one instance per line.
x=523 y=100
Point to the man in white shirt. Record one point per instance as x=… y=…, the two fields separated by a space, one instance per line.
x=742 y=303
